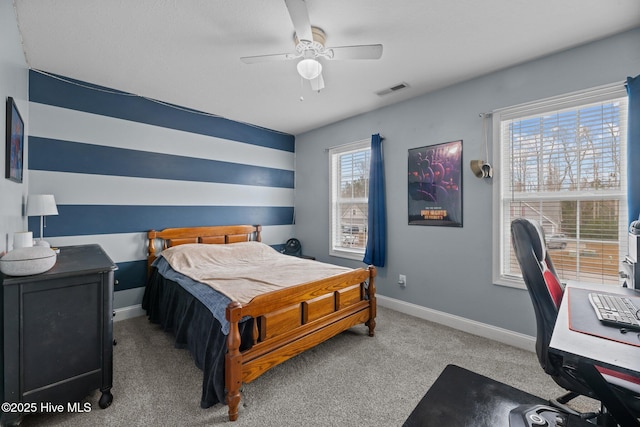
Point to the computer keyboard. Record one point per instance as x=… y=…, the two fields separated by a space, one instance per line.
x=615 y=310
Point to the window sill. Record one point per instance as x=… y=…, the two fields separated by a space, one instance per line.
x=519 y=284
x=510 y=283
x=357 y=256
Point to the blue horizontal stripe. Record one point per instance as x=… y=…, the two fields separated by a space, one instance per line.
x=129 y=275
x=90 y=98
x=75 y=220
x=64 y=156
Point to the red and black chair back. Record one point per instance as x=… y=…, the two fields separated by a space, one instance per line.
x=546 y=292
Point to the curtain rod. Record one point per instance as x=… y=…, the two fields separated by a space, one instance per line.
x=354 y=142
x=558 y=101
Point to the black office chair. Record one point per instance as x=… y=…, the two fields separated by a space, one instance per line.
x=546 y=292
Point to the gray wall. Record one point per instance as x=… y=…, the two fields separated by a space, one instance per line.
x=449 y=269
x=14 y=83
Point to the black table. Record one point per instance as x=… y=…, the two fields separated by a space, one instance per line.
x=586 y=343
x=462 y=398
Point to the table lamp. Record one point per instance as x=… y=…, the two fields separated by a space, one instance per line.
x=41 y=205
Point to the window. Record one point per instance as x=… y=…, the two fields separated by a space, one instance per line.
x=562 y=162
x=349 y=186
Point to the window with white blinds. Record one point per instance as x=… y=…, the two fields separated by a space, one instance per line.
x=349 y=186
x=563 y=163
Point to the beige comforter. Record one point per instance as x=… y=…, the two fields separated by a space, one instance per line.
x=244 y=270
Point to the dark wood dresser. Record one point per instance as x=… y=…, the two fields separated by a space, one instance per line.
x=57 y=341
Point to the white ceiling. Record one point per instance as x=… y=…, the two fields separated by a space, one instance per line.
x=186 y=52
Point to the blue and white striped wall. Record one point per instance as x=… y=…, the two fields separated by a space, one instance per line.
x=120 y=165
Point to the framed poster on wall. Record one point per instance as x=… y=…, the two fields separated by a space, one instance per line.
x=435 y=185
x=15 y=142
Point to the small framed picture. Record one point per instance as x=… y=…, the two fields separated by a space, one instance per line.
x=15 y=142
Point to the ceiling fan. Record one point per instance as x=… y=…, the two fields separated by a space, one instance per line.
x=310 y=47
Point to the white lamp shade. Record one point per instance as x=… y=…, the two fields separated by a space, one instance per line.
x=41 y=205
x=309 y=68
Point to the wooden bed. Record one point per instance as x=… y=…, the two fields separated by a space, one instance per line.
x=287 y=321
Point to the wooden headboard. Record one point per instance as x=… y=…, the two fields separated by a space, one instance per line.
x=218 y=234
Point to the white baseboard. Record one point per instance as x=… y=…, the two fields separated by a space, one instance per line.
x=505 y=336
x=128 y=312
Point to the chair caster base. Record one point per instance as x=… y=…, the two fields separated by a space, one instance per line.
x=541 y=415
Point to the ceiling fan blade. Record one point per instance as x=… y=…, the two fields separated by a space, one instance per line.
x=317 y=84
x=300 y=18
x=369 y=51
x=266 y=58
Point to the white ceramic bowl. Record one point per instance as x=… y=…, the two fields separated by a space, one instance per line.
x=27 y=261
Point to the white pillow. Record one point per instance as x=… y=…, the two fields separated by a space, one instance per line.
x=28 y=261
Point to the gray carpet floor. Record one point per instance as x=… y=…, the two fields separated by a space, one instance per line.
x=350 y=380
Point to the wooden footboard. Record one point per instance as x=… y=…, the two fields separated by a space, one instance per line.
x=292 y=320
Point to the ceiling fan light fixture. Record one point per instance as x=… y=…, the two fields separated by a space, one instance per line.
x=309 y=68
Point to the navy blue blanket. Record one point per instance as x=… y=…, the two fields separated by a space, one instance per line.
x=179 y=309
x=212 y=299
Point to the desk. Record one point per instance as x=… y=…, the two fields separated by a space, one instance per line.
x=586 y=350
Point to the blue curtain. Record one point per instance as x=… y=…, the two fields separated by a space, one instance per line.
x=376 y=252
x=633 y=148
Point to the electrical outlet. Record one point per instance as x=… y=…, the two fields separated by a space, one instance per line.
x=402 y=281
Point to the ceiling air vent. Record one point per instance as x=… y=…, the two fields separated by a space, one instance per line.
x=392 y=89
